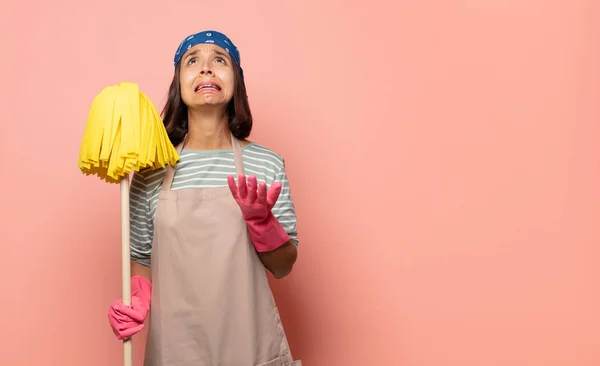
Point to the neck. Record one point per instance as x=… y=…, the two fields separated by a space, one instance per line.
x=208 y=130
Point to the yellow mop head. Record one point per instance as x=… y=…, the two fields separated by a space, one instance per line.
x=124 y=132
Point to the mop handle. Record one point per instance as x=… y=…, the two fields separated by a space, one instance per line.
x=125 y=263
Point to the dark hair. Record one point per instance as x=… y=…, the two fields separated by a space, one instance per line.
x=175 y=112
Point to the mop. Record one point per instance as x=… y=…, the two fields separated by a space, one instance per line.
x=124 y=133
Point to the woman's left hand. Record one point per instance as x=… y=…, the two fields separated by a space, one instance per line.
x=256 y=203
x=254 y=199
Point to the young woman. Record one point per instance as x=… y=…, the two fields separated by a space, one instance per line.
x=204 y=233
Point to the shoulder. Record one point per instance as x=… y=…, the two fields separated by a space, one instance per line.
x=258 y=152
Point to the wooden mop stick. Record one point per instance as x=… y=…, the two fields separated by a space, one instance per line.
x=125 y=263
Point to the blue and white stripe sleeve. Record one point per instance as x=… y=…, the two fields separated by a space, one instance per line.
x=141 y=221
x=284 y=209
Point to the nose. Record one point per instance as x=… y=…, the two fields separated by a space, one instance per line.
x=206 y=69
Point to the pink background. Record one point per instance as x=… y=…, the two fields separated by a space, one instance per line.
x=443 y=155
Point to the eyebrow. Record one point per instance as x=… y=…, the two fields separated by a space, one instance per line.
x=195 y=52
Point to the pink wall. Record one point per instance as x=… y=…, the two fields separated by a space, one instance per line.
x=443 y=155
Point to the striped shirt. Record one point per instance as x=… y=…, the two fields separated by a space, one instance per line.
x=205 y=169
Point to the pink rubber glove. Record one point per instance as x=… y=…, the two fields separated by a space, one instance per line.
x=256 y=203
x=129 y=320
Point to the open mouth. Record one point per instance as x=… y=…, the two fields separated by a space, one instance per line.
x=207 y=86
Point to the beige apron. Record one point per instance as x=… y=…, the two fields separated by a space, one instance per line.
x=211 y=302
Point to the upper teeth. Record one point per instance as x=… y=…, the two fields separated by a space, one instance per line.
x=207 y=86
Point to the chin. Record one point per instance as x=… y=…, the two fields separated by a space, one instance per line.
x=197 y=100
x=212 y=101
x=210 y=104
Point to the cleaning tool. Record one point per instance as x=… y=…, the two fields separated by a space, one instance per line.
x=124 y=133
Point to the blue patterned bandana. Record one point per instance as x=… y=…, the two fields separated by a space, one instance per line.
x=209 y=37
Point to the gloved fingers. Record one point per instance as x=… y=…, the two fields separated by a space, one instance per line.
x=120 y=323
x=242 y=188
x=129 y=332
x=119 y=317
x=251 y=189
x=273 y=194
x=126 y=330
x=232 y=186
x=124 y=313
x=262 y=193
x=122 y=326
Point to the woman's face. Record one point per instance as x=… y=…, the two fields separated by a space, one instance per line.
x=206 y=77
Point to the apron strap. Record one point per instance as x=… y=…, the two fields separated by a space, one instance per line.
x=237 y=157
x=168 y=180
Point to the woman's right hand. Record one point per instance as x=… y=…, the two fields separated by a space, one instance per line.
x=129 y=320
